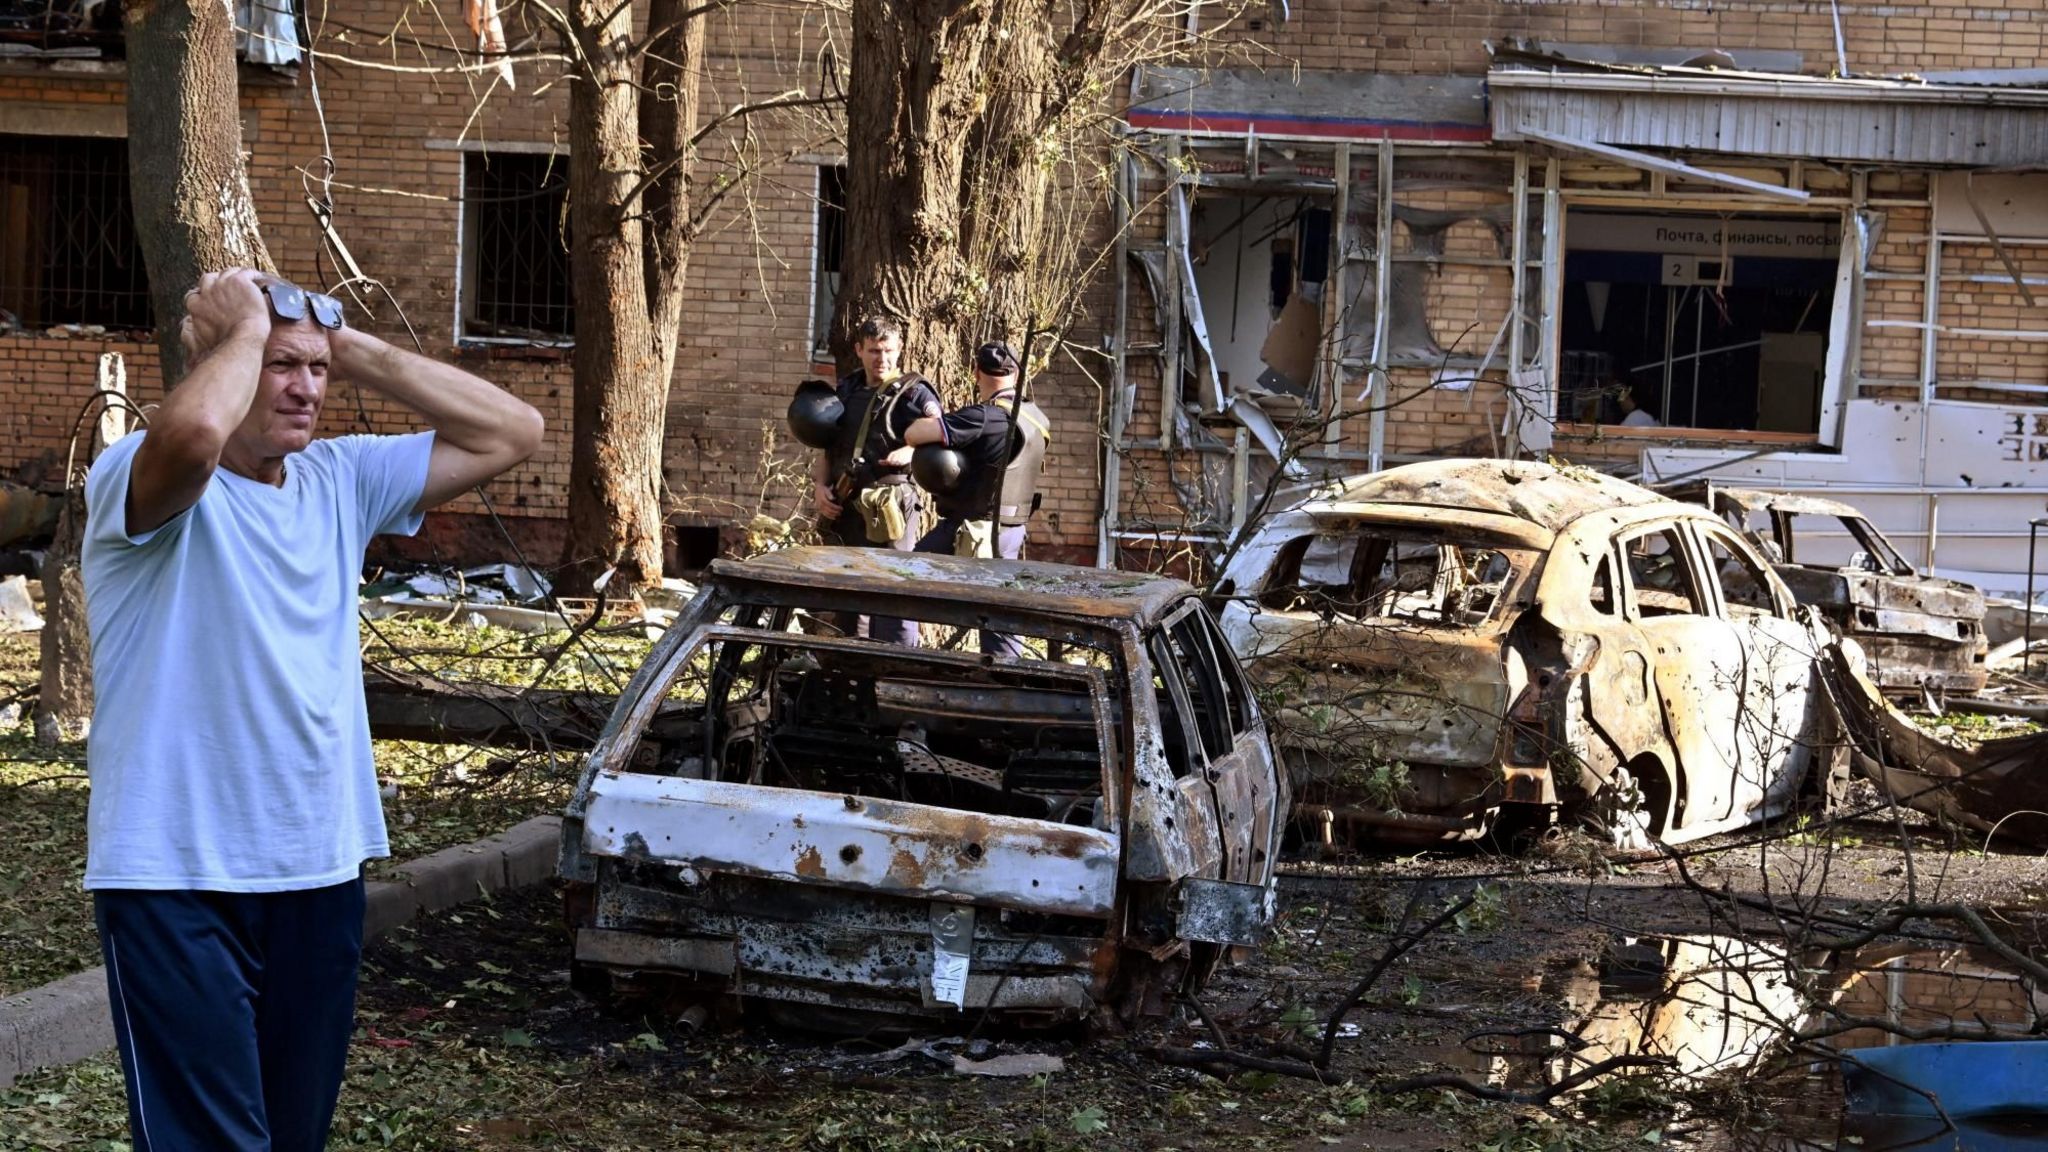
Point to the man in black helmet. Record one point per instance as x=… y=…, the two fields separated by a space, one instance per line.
x=1002 y=442
x=863 y=492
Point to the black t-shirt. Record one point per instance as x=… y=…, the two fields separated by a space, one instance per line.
x=981 y=434
x=892 y=420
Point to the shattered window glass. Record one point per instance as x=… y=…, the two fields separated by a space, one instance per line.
x=1657 y=570
x=1425 y=579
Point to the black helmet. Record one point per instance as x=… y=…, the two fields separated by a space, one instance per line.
x=814 y=414
x=937 y=468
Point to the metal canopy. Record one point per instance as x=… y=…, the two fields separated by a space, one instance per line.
x=1792 y=117
x=1309 y=105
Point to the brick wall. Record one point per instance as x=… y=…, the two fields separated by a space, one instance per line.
x=396 y=134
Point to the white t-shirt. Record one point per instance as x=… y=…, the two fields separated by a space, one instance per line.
x=230 y=746
x=1637 y=418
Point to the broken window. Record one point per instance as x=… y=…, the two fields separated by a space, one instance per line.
x=515 y=248
x=1823 y=541
x=1696 y=320
x=767 y=707
x=1661 y=579
x=1428 y=580
x=1177 y=695
x=1744 y=587
x=68 y=253
x=825 y=257
x=1600 y=593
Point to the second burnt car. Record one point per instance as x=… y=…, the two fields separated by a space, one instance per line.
x=842 y=824
x=1919 y=633
x=1460 y=647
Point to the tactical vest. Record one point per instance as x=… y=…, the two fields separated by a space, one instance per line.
x=1020 y=478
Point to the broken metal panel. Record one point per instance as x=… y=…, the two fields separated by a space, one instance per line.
x=632 y=950
x=1995 y=788
x=796 y=941
x=1234 y=404
x=1641 y=55
x=1223 y=912
x=1309 y=105
x=1659 y=164
x=1705 y=111
x=856 y=842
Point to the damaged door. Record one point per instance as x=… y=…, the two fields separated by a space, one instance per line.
x=1231 y=767
x=1780 y=656
x=1699 y=668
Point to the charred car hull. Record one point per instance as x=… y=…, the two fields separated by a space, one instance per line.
x=831 y=821
x=1921 y=633
x=840 y=899
x=1459 y=647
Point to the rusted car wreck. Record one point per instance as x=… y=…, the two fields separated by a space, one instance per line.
x=1919 y=633
x=917 y=831
x=1465 y=646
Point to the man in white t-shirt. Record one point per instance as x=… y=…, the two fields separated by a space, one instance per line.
x=233 y=795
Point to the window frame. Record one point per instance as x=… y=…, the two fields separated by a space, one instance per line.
x=466 y=217
x=64 y=163
x=1704 y=607
x=821 y=306
x=1713 y=533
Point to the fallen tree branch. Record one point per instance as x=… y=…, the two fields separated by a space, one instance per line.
x=1542 y=1096
x=1395 y=950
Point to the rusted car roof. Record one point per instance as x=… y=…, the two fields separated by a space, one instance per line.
x=1550 y=498
x=1024 y=586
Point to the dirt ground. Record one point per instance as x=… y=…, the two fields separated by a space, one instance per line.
x=472 y=1038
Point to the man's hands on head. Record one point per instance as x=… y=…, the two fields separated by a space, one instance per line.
x=220 y=306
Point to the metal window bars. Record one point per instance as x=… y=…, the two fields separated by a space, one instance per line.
x=68 y=250
x=516 y=264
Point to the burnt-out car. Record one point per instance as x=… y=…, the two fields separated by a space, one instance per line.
x=1918 y=633
x=850 y=825
x=1463 y=646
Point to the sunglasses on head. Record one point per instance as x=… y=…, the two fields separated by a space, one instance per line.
x=291 y=303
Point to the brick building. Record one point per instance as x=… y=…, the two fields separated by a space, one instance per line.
x=1808 y=244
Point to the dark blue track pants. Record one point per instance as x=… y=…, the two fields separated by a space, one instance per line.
x=233 y=1012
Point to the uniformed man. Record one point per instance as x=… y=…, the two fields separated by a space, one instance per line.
x=1001 y=442
x=863 y=492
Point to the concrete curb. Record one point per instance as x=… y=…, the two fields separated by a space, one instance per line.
x=67 y=1020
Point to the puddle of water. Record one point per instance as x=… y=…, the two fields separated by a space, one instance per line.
x=1715 y=1005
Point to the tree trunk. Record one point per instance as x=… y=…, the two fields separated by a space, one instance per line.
x=919 y=79
x=64 y=702
x=193 y=211
x=629 y=167
x=964 y=120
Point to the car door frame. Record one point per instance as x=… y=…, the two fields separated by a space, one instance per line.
x=1701 y=723
x=1781 y=672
